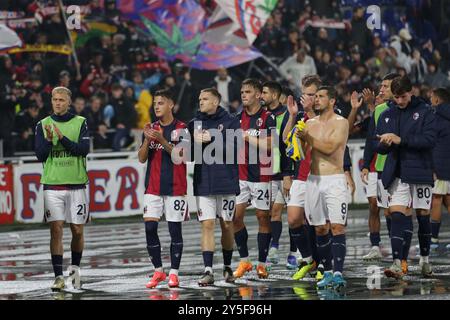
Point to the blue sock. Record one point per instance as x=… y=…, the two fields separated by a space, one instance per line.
x=76 y=258
x=176 y=244
x=241 y=238
x=397 y=231
x=153 y=244
x=300 y=236
x=227 y=255
x=263 y=246
x=435 y=226
x=313 y=242
x=324 y=251
x=57 y=262
x=407 y=236
x=375 y=239
x=292 y=245
x=424 y=234
x=208 y=258
x=338 y=249
x=388 y=224
x=276 y=227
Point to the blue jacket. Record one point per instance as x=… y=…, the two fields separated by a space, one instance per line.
x=217 y=179
x=411 y=161
x=441 y=151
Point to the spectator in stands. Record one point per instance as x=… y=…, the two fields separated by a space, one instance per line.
x=297 y=67
x=96 y=124
x=24 y=127
x=418 y=67
x=124 y=117
x=360 y=35
x=435 y=78
x=78 y=106
x=138 y=84
x=228 y=88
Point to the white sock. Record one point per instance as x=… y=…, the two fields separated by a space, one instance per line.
x=245 y=259
x=423 y=259
x=397 y=262
x=159 y=269
x=308 y=260
x=337 y=273
x=173 y=271
x=209 y=269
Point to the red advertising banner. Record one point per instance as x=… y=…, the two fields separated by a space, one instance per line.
x=6 y=195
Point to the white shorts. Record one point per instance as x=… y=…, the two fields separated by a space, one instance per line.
x=212 y=207
x=71 y=206
x=382 y=195
x=297 y=194
x=326 y=199
x=255 y=193
x=371 y=188
x=175 y=208
x=277 y=195
x=441 y=187
x=416 y=196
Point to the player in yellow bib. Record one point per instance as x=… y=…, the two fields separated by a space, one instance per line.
x=62 y=144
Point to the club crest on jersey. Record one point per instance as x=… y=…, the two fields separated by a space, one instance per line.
x=416 y=116
x=259 y=122
x=220 y=127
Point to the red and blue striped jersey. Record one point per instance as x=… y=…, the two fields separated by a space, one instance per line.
x=262 y=120
x=163 y=177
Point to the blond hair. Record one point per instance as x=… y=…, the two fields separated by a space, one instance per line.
x=62 y=90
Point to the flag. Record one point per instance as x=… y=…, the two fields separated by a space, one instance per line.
x=250 y=15
x=8 y=38
x=222 y=29
x=179 y=27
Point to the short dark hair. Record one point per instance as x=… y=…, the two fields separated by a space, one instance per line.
x=443 y=94
x=166 y=94
x=310 y=80
x=252 y=82
x=213 y=91
x=401 y=86
x=391 y=76
x=287 y=91
x=116 y=86
x=274 y=87
x=331 y=92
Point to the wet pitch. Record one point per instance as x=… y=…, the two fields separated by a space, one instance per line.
x=115 y=265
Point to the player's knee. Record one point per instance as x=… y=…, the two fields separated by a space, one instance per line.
x=151 y=227
x=322 y=230
x=56 y=231
x=77 y=232
x=227 y=226
x=263 y=218
x=175 y=232
x=337 y=229
x=208 y=225
x=294 y=221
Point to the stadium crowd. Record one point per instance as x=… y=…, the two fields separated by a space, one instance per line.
x=119 y=71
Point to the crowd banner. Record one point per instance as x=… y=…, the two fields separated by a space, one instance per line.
x=116 y=189
x=61 y=49
x=6 y=194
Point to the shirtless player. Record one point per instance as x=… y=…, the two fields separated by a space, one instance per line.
x=326 y=188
